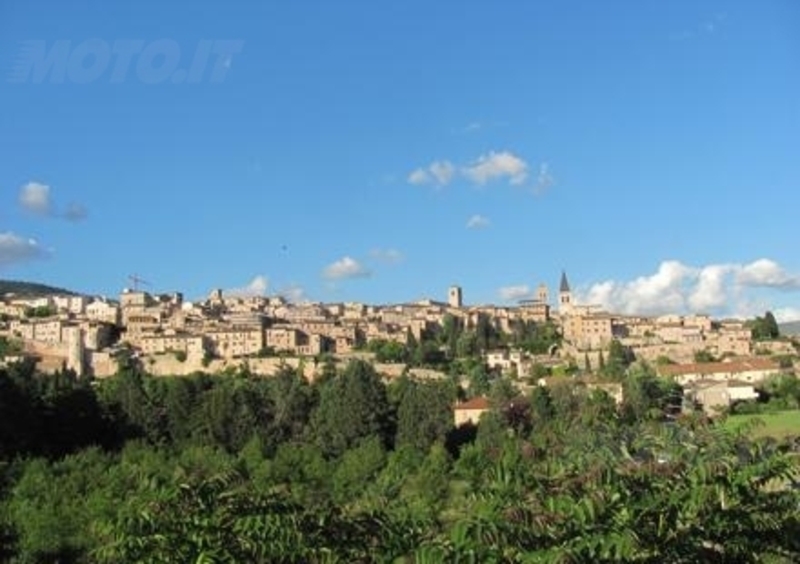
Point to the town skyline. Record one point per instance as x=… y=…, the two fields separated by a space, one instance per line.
x=381 y=154
x=553 y=331
x=675 y=289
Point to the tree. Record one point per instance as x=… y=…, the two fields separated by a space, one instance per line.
x=451 y=331
x=541 y=402
x=478 y=380
x=426 y=489
x=467 y=345
x=388 y=351
x=538 y=371
x=21 y=425
x=763 y=328
x=411 y=341
x=704 y=356
x=703 y=498
x=219 y=519
x=40 y=311
x=328 y=370
x=229 y=414
x=501 y=391
x=351 y=407
x=181 y=400
x=424 y=414
x=619 y=358
x=48 y=506
x=486 y=333
x=647 y=396
x=783 y=391
x=771 y=325
x=291 y=400
x=429 y=354
x=598 y=408
x=535 y=338
x=357 y=466
x=9 y=347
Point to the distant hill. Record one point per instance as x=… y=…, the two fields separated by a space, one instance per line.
x=790 y=328
x=26 y=289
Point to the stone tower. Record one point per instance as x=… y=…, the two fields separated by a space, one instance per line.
x=454 y=296
x=541 y=294
x=75 y=350
x=564 y=294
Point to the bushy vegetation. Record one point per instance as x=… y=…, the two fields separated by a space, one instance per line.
x=9 y=347
x=239 y=468
x=763 y=328
x=778 y=393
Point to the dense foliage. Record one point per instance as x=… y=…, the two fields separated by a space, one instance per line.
x=239 y=468
x=765 y=327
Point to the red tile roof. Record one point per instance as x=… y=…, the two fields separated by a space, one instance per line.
x=473 y=404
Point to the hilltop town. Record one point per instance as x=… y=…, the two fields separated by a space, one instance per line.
x=722 y=359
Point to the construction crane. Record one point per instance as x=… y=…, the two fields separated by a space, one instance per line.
x=136 y=281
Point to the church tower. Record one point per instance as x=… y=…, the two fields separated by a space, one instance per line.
x=564 y=294
x=455 y=297
x=541 y=294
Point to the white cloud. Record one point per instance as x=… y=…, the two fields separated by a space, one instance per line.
x=495 y=166
x=514 y=293
x=478 y=222
x=35 y=198
x=487 y=168
x=544 y=179
x=389 y=256
x=438 y=172
x=719 y=289
x=662 y=292
x=15 y=249
x=418 y=177
x=767 y=273
x=345 y=267
x=442 y=171
x=258 y=286
x=710 y=291
x=786 y=314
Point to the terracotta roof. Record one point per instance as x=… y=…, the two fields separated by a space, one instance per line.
x=719 y=367
x=473 y=404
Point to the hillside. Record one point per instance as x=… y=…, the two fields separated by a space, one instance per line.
x=790 y=328
x=30 y=289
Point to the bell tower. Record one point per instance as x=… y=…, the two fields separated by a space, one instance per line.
x=564 y=294
x=455 y=297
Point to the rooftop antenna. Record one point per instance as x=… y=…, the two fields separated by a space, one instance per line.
x=137 y=281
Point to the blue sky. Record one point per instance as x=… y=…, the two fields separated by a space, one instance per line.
x=380 y=152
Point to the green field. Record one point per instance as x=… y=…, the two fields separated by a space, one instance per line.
x=779 y=424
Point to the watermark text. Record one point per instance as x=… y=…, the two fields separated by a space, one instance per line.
x=150 y=62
